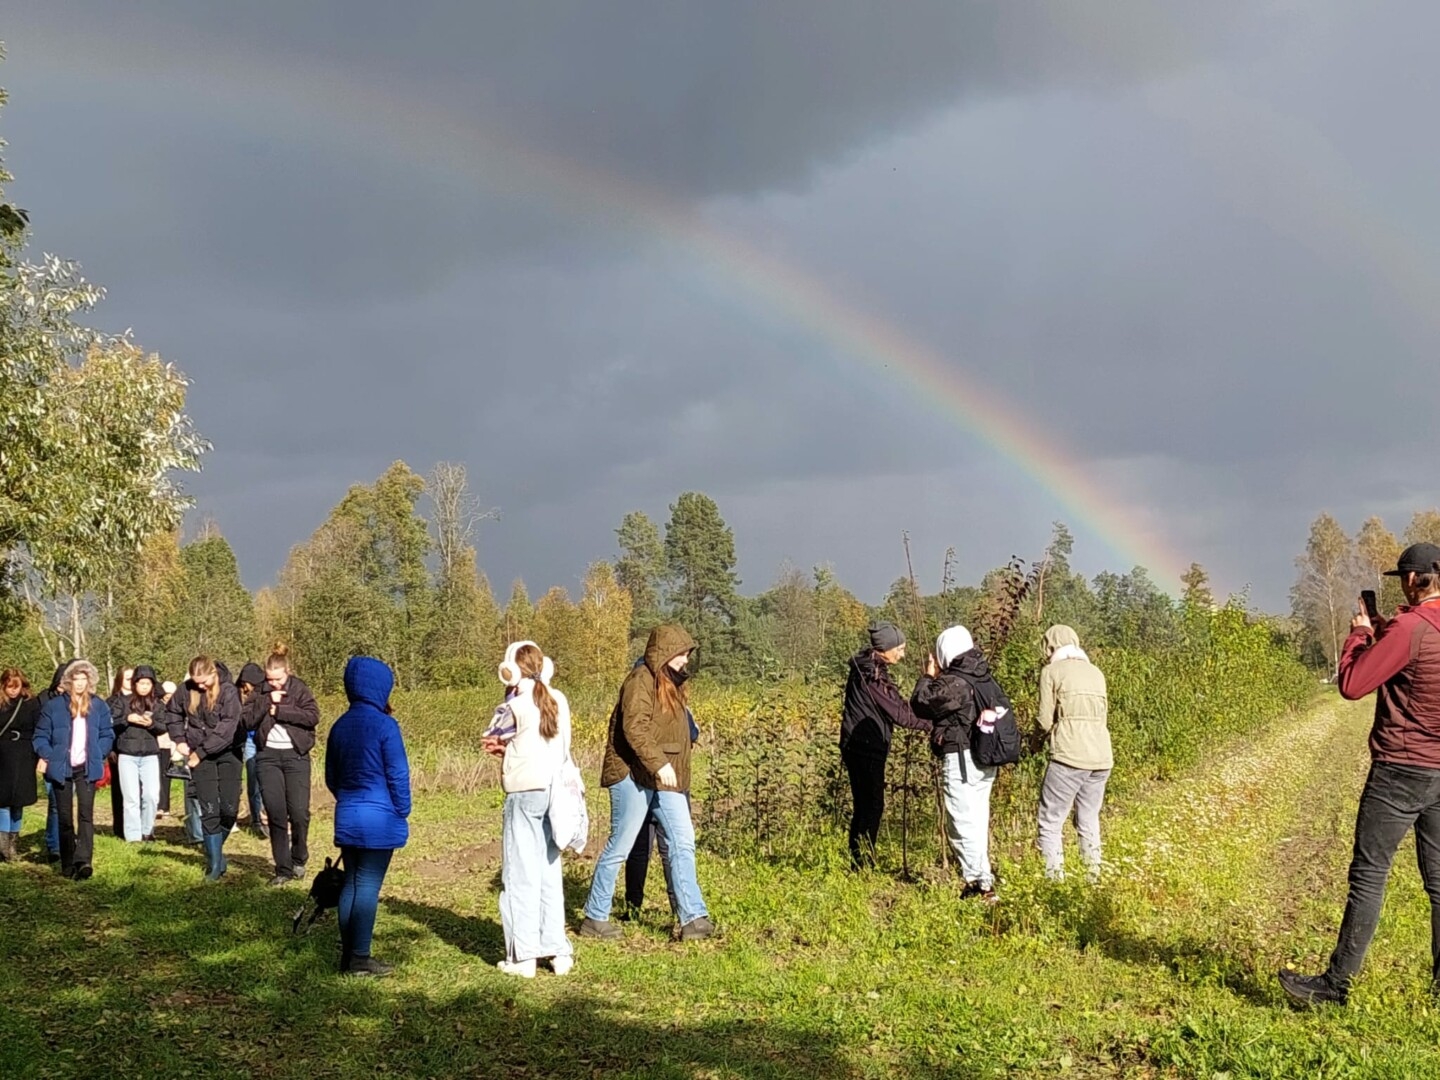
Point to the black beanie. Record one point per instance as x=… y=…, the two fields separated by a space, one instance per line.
x=885 y=636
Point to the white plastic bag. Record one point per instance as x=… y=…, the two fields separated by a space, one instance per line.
x=569 y=816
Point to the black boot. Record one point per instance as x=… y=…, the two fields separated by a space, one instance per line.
x=1310 y=990
x=366 y=967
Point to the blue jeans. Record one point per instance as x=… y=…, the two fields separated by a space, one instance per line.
x=10 y=818
x=360 y=897
x=52 y=821
x=252 y=783
x=630 y=807
x=532 y=905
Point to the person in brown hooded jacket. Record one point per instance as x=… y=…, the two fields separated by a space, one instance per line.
x=647 y=771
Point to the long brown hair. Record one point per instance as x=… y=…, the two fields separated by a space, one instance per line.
x=672 y=698
x=118 y=687
x=13 y=674
x=204 y=665
x=531 y=662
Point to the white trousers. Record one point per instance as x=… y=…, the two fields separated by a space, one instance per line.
x=967 y=817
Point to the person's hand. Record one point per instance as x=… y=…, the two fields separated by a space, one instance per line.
x=40 y=767
x=1361 y=621
x=665 y=778
x=491 y=745
x=193 y=759
x=140 y=719
x=183 y=749
x=932 y=666
x=277 y=696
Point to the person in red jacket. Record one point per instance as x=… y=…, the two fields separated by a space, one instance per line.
x=1399 y=661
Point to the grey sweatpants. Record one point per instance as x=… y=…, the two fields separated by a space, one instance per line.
x=1066 y=788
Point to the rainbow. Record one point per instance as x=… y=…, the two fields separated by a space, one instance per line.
x=426 y=134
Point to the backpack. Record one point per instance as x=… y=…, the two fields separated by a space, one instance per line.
x=324 y=894
x=995 y=738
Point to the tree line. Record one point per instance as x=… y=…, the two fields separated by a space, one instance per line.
x=1334 y=568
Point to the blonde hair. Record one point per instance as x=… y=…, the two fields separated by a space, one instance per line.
x=79 y=703
x=279 y=657
x=204 y=665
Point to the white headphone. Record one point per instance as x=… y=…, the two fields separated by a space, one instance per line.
x=509 y=670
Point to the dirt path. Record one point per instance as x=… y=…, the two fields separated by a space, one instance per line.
x=1247 y=853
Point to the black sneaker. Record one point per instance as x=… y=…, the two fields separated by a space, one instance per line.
x=367 y=967
x=84 y=872
x=1312 y=989
x=603 y=929
x=697 y=929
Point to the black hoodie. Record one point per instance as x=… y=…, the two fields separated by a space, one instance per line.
x=952 y=700
x=873 y=707
x=131 y=737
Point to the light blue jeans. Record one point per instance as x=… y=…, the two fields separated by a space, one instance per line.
x=10 y=818
x=532 y=903
x=630 y=805
x=139 y=792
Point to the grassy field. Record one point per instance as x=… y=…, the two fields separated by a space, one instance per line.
x=1165 y=968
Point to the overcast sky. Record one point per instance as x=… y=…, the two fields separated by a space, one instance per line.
x=1196 y=256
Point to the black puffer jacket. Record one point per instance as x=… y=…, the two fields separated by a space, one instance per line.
x=873 y=707
x=132 y=737
x=208 y=731
x=950 y=700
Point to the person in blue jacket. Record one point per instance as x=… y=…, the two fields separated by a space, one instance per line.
x=367 y=772
x=72 y=738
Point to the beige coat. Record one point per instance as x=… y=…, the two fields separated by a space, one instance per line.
x=1074 y=706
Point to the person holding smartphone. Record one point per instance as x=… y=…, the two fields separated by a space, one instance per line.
x=283 y=714
x=1398 y=660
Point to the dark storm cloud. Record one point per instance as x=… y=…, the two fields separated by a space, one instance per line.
x=1186 y=240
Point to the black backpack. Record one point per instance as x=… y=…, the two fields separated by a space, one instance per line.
x=324 y=894
x=995 y=738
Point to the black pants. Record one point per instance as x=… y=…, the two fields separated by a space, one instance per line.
x=117 y=800
x=77 y=845
x=637 y=863
x=1395 y=798
x=285 y=787
x=867 y=791
x=217 y=786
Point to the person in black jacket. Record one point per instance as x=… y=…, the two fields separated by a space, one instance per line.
x=19 y=710
x=203 y=718
x=251 y=677
x=283 y=714
x=139 y=718
x=873 y=707
x=950 y=694
x=119 y=695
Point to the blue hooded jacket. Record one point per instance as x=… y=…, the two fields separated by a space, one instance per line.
x=365 y=764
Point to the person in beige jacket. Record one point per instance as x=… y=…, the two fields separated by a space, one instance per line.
x=1073 y=714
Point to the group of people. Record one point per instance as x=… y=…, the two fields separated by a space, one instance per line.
x=147 y=734
x=955 y=701
x=67 y=733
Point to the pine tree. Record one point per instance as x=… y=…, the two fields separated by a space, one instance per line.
x=640 y=570
x=700 y=558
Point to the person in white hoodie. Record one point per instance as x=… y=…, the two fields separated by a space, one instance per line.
x=531 y=730
x=955 y=690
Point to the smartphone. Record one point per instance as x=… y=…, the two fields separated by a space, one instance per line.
x=1367 y=598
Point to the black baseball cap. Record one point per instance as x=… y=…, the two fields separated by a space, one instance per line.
x=1417 y=559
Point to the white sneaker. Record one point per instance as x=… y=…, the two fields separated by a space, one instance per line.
x=524 y=968
x=561 y=965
